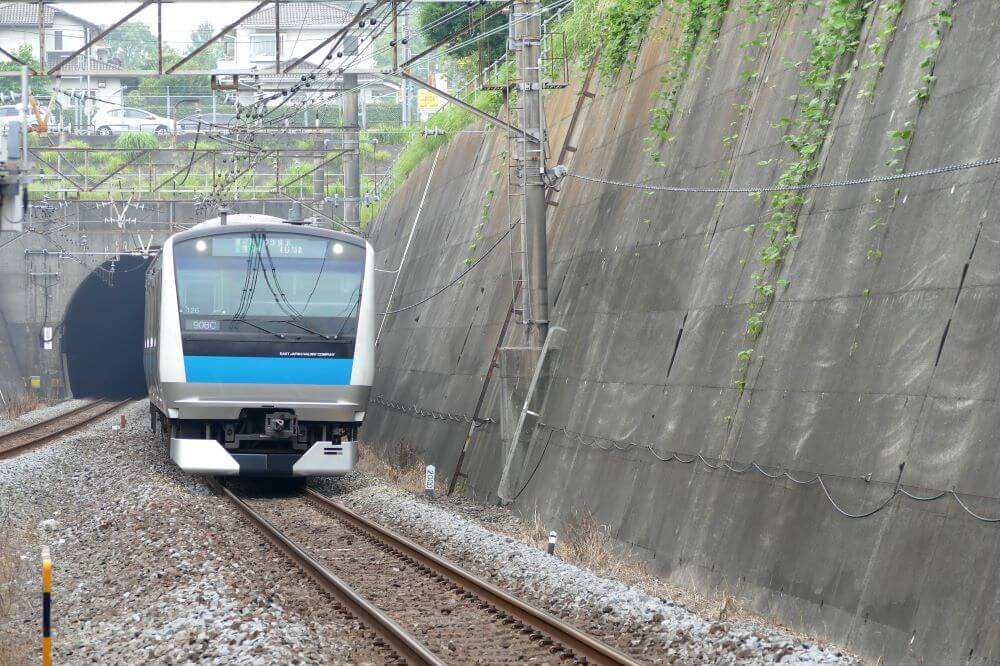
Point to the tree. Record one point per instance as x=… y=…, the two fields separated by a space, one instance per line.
x=436 y=29
x=39 y=84
x=186 y=93
x=132 y=44
x=208 y=58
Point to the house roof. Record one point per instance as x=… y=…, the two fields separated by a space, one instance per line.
x=79 y=64
x=301 y=14
x=26 y=13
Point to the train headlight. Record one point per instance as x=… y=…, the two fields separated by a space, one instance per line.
x=201 y=246
x=338 y=248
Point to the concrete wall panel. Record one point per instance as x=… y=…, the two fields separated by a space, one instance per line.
x=867 y=359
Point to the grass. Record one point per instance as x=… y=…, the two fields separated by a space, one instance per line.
x=137 y=141
x=451 y=119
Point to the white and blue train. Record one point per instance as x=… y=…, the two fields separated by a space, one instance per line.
x=259 y=347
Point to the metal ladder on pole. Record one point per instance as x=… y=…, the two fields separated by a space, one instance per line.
x=515 y=196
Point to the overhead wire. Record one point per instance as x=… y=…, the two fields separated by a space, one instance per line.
x=445 y=287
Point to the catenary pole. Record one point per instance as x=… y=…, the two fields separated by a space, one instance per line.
x=352 y=174
x=526 y=38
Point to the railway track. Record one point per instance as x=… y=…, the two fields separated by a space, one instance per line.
x=427 y=609
x=29 y=437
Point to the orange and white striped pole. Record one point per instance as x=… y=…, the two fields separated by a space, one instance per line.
x=46 y=607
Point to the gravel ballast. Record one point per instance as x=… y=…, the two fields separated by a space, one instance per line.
x=659 y=629
x=150 y=567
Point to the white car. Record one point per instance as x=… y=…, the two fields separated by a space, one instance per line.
x=9 y=112
x=115 y=121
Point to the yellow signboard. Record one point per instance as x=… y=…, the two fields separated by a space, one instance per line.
x=428 y=101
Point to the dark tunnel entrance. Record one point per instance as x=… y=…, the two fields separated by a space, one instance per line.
x=102 y=332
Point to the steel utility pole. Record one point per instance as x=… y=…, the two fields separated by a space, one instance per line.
x=352 y=174
x=42 y=65
x=407 y=115
x=526 y=38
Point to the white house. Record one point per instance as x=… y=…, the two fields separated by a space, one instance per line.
x=64 y=33
x=303 y=27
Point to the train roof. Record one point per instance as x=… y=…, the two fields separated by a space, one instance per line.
x=237 y=222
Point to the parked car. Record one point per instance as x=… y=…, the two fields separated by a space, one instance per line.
x=114 y=121
x=210 y=122
x=9 y=112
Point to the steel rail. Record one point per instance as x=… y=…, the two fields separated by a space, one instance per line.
x=47 y=436
x=568 y=636
x=400 y=640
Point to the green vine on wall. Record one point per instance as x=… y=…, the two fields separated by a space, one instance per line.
x=940 y=22
x=888 y=14
x=835 y=38
x=627 y=22
x=702 y=24
x=489 y=196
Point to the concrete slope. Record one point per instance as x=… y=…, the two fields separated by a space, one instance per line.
x=879 y=350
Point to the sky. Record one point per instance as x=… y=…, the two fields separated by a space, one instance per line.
x=179 y=18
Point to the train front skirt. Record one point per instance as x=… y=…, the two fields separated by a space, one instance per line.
x=207 y=456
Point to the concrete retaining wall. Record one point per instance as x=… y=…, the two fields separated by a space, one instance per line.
x=39 y=287
x=864 y=362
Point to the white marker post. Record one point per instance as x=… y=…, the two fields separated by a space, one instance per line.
x=429 y=481
x=551 y=550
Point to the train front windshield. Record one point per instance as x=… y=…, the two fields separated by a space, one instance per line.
x=269 y=284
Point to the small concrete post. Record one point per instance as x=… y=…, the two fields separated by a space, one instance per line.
x=551 y=549
x=429 y=481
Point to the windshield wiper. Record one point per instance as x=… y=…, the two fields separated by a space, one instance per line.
x=259 y=327
x=347 y=318
x=298 y=325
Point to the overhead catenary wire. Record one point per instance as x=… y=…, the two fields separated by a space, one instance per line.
x=406 y=248
x=461 y=275
x=259 y=114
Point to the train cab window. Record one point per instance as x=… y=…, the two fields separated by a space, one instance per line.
x=269 y=283
x=198 y=297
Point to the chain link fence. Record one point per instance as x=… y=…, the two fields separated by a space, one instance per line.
x=74 y=111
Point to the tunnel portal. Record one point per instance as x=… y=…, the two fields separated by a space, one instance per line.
x=103 y=332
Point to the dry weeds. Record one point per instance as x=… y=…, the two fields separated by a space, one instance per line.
x=589 y=544
x=11 y=646
x=9 y=654
x=406 y=469
x=22 y=403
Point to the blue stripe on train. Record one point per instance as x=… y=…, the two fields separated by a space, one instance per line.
x=268 y=370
